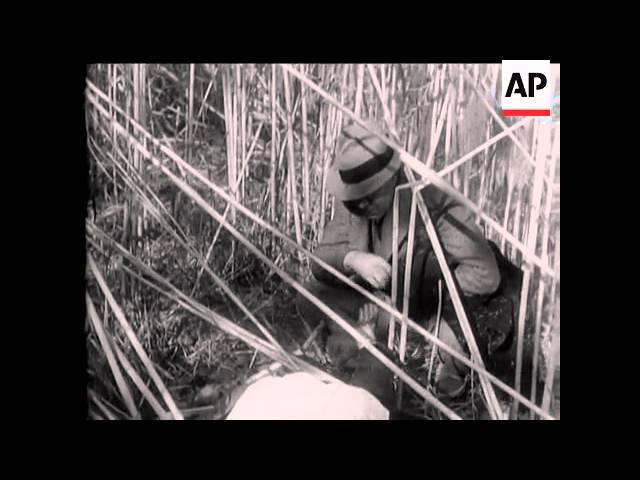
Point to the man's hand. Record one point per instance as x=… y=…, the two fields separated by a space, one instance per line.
x=372 y=268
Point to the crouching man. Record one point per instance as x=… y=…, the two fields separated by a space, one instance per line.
x=358 y=242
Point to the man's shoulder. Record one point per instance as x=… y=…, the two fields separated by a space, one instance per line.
x=436 y=200
x=431 y=194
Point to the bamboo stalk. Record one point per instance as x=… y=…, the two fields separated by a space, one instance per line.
x=409 y=135
x=229 y=120
x=272 y=180
x=454 y=128
x=465 y=179
x=493 y=161
x=393 y=93
x=329 y=140
x=234 y=75
x=204 y=104
x=531 y=247
x=289 y=186
x=447 y=136
x=359 y=87
x=435 y=85
x=146 y=120
x=433 y=120
x=305 y=157
x=133 y=339
x=507 y=208
x=434 y=348
x=534 y=141
x=406 y=290
x=134 y=214
x=188 y=133
x=112 y=102
x=545 y=240
x=243 y=122
x=322 y=155
x=291 y=167
x=483 y=177
x=407 y=277
x=233 y=140
x=136 y=105
x=343 y=95
x=127 y=398
x=519 y=342
x=549 y=379
x=555 y=339
x=443 y=79
x=429 y=78
x=394 y=267
x=383 y=99
x=517 y=220
x=383 y=83
x=435 y=139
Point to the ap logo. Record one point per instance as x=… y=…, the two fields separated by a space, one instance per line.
x=526 y=88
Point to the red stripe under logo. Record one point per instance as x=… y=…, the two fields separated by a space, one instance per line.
x=526 y=113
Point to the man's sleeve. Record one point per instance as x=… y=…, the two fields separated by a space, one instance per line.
x=476 y=268
x=334 y=245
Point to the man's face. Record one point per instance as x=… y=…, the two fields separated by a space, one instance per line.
x=375 y=205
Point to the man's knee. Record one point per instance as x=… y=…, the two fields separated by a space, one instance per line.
x=447 y=336
x=491 y=280
x=478 y=280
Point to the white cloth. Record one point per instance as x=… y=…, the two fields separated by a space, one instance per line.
x=301 y=396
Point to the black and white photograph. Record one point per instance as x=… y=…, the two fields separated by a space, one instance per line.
x=323 y=241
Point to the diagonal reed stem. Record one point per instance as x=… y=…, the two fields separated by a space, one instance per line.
x=119 y=314
x=106 y=348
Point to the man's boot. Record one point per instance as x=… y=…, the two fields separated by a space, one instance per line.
x=451 y=375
